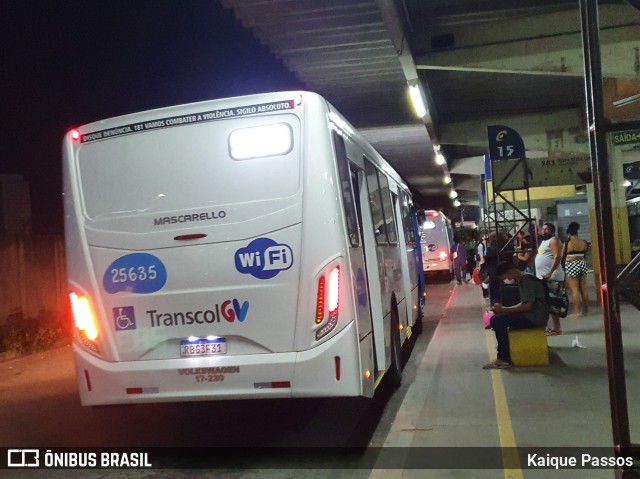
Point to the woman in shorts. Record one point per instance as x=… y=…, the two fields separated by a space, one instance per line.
x=576 y=270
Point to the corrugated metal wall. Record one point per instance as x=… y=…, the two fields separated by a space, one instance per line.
x=570 y=212
x=32 y=276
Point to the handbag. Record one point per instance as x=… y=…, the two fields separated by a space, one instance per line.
x=558 y=302
x=475 y=276
x=486 y=319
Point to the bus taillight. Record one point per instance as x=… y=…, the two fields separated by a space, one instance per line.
x=75 y=134
x=83 y=317
x=320 y=301
x=330 y=287
x=443 y=255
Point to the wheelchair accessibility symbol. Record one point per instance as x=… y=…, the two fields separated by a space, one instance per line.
x=124 y=318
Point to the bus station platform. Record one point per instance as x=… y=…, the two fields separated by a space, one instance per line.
x=450 y=401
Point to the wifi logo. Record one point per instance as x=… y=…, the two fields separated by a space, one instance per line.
x=263 y=258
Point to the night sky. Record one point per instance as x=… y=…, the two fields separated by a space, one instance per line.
x=65 y=63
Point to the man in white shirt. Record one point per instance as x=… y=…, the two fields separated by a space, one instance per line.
x=481 y=249
x=548 y=268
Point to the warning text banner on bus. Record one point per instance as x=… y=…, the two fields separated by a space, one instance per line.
x=188 y=119
x=318 y=458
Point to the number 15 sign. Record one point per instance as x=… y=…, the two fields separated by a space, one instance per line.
x=505 y=143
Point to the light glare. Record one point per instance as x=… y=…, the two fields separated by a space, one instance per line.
x=334 y=282
x=428 y=225
x=82 y=316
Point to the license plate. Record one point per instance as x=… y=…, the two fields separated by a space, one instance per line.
x=203 y=347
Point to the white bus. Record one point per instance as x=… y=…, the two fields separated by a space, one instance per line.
x=436 y=239
x=251 y=247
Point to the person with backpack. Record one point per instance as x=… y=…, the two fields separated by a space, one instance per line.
x=549 y=268
x=459 y=255
x=531 y=312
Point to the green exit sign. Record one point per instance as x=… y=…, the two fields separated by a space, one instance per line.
x=626 y=137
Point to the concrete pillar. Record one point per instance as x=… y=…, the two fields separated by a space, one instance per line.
x=619 y=213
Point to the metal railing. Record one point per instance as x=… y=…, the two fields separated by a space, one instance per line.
x=628 y=282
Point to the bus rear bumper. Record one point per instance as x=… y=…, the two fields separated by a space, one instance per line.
x=311 y=373
x=429 y=266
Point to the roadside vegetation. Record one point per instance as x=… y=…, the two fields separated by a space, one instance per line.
x=24 y=335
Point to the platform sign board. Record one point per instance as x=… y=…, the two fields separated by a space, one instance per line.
x=555 y=170
x=507 y=154
x=505 y=143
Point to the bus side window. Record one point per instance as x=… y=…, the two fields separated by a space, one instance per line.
x=405 y=207
x=375 y=203
x=345 y=189
x=387 y=210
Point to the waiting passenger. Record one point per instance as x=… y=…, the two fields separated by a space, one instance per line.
x=459 y=256
x=549 y=269
x=480 y=262
x=531 y=312
x=491 y=260
x=523 y=255
x=576 y=269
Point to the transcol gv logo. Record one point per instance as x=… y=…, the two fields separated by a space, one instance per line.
x=263 y=258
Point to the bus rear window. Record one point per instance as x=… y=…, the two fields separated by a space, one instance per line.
x=260 y=141
x=184 y=167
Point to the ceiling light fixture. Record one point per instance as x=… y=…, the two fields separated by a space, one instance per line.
x=415 y=92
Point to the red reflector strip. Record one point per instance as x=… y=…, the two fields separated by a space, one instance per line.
x=190 y=237
x=87 y=379
x=281 y=384
x=143 y=390
x=273 y=385
x=337 y=360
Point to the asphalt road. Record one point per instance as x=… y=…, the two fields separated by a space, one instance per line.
x=39 y=407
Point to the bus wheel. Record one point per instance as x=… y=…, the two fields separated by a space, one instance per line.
x=395 y=369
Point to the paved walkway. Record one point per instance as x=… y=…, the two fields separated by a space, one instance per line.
x=454 y=402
